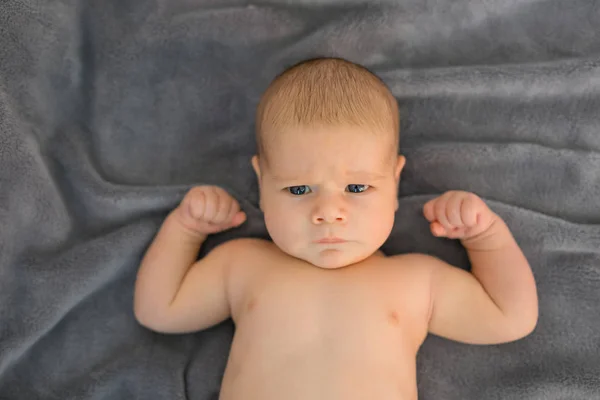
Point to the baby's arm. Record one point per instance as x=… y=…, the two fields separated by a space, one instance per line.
x=498 y=301
x=173 y=292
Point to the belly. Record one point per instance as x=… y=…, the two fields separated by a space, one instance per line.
x=346 y=356
x=305 y=334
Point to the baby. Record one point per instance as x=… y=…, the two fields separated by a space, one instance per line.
x=320 y=312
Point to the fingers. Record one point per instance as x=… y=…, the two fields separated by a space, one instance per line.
x=437 y=229
x=234 y=216
x=453 y=213
x=469 y=210
x=223 y=204
x=212 y=209
x=195 y=203
x=428 y=210
x=211 y=204
x=440 y=211
x=238 y=219
x=453 y=210
x=455 y=233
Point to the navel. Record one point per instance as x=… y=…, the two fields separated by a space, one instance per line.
x=251 y=304
x=393 y=318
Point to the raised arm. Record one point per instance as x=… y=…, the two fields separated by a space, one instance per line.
x=495 y=303
x=174 y=293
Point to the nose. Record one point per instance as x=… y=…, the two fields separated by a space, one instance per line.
x=329 y=210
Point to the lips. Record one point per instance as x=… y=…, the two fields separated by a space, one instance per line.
x=330 y=240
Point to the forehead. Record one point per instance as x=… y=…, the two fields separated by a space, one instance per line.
x=340 y=149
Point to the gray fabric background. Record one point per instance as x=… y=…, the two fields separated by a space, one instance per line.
x=110 y=110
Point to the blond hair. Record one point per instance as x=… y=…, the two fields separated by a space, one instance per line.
x=325 y=92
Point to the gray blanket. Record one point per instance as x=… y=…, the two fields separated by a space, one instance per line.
x=111 y=110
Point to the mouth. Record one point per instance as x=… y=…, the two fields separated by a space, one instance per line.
x=330 y=240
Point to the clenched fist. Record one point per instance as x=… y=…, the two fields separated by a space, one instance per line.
x=209 y=209
x=458 y=215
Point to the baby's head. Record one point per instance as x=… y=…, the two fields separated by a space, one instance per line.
x=328 y=167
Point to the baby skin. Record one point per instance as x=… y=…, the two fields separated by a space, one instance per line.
x=319 y=311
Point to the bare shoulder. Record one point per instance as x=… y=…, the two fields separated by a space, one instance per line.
x=420 y=269
x=239 y=249
x=245 y=243
x=417 y=263
x=410 y=277
x=238 y=256
x=248 y=259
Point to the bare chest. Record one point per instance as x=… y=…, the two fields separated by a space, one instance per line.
x=353 y=308
x=321 y=335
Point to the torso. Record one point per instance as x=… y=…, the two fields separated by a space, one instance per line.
x=307 y=333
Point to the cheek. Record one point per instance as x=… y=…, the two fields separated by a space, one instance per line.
x=377 y=218
x=283 y=221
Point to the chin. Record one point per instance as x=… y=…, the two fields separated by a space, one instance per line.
x=334 y=259
x=330 y=265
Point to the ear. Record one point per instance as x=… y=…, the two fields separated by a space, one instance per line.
x=256 y=167
x=399 y=166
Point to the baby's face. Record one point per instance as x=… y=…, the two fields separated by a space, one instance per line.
x=329 y=197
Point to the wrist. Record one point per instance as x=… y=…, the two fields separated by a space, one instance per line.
x=185 y=228
x=495 y=237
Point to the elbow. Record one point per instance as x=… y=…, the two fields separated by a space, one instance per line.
x=144 y=317
x=527 y=328
x=522 y=327
x=149 y=317
x=528 y=319
x=521 y=321
x=532 y=322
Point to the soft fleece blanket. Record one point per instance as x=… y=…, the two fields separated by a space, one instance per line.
x=111 y=110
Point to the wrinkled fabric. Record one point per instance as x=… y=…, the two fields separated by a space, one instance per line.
x=111 y=110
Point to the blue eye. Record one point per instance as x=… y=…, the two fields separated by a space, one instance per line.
x=356 y=188
x=299 y=190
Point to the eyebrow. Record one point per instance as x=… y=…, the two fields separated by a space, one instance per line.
x=368 y=175
x=362 y=175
